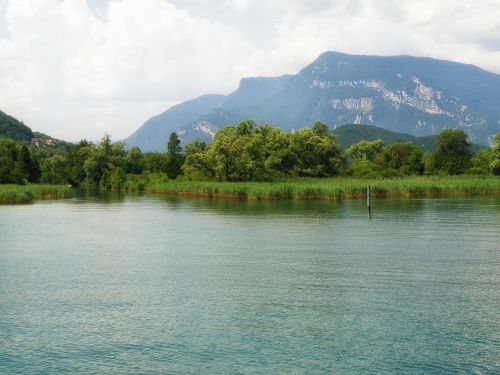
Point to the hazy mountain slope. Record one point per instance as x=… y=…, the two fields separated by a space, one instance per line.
x=413 y=95
x=205 y=126
x=153 y=135
x=419 y=96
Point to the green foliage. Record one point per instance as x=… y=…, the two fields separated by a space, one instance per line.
x=362 y=158
x=481 y=163
x=16 y=165
x=175 y=159
x=196 y=166
x=55 y=170
x=453 y=154
x=76 y=157
x=27 y=193
x=238 y=153
x=350 y=134
x=404 y=159
x=14 y=129
x=117 y=179
x=248 y=152
x=363 y=168
x=365 y=150
x=155 y=162
x=347 y=135
x=331 y=188
x=495 y=157
x=134 y=161
x=102 y=161
x=242 y=153
x=320 y=129
x=316 y=155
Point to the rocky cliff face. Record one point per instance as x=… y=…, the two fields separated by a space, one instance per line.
x=415 y=96
x=419 y=96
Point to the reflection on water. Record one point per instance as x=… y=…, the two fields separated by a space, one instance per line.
x=114 y=283
x=96 y=196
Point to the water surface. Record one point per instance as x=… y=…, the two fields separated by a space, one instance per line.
x=134 y=284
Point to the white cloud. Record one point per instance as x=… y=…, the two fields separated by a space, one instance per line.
x=77 y=68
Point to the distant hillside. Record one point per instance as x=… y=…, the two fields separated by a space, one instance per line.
x=348 y=135
x=405 y=94
x=52 y=142
x=14 y=129
x=153 y=135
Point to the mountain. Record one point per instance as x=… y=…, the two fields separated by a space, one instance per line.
x=415 y=95
x=154 y=134
x=350 y=134
x=14 y=129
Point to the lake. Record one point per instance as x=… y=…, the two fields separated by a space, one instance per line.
x=127 y=284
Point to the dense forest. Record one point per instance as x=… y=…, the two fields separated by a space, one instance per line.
x=245 y=152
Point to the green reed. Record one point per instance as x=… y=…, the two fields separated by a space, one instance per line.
x=28 y=193
x=330 y=188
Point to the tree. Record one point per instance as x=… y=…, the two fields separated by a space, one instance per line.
x=362 y=158
x=481 y=162
x=197 y=165
x=102 y=160
x=155 y=162
x=320 y=129
x=30 y=168
x=117 y=178
x=134 y=161
x=453 y=153
x=55 y=170
x=316 y=155
x=175 y=157
x=495 y=157
x=366 y=150
x=403 y=158
x=248 y=152
x=97 y=162
x=76 y=156
x=12 y=170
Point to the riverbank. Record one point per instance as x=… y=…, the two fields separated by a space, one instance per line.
x=331 y=188
x=10 y=194
x=327 y=189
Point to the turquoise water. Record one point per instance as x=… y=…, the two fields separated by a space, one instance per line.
x=131 y=284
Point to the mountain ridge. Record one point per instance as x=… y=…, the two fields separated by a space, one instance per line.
x=415 y=95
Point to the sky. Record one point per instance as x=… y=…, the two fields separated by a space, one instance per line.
x=77 y=69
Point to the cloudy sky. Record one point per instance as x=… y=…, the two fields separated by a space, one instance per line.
x=78 y=68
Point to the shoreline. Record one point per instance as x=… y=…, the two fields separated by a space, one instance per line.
x=317 y=198
x=340 y=188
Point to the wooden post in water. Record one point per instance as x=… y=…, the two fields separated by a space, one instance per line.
x=368 y=203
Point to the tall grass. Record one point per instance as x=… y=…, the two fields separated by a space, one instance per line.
x=28 y=193
x=331 y=188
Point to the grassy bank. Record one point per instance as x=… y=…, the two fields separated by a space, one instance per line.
x=332 y=188
x=28 y=193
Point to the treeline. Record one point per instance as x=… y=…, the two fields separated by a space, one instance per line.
x=245 y=152
x=86 y=164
